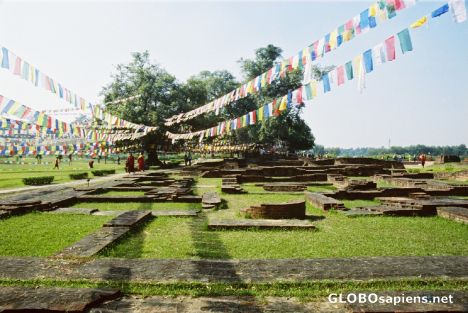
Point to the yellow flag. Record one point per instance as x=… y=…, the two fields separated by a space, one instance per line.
x=283 y=104
x=419 y=22
x=260 y=113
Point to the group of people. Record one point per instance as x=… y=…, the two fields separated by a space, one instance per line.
x=130 y=163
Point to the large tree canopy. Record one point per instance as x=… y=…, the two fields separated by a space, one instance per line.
x=162 y=96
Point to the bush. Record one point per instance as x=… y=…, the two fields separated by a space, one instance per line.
x=44 y=180
x=83 y=175
x=102 y=172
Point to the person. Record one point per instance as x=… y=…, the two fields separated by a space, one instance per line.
x=39 y=158
x=189 y=158
x=99 y=159
x=130 y=164
x=56 y=166
x=118 y=160
x=185 y=159
x=141 y=162
x=422 y=158
x=91 y=163
x=70 y=158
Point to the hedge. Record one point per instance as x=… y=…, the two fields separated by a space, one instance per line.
x=102 y=172
x=83 y=175
x=43 y=180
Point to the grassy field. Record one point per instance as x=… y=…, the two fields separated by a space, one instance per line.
x=44 y=234
x=11 y=174
x=445 y=167
x=336 y=235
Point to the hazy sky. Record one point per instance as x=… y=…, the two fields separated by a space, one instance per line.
x=421 y=98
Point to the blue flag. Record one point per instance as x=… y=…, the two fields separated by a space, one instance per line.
x=369 y=65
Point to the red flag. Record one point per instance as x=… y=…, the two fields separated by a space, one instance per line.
x=17 y=70
x=299 y=95
x=390 y=45
x=340 y=74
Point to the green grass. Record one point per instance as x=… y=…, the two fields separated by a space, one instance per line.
x=11 y=175
x=123 y=193
x=125 y=206
x=337 y=236
x=306 y=291
x=445 y=167
x=43 y=234
x=359 y=203
x=321 y=188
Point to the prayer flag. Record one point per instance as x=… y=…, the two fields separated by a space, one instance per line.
x=349 y=70
x=326 y=83
x=5 y=59
x=419 y=22
x=405 y=41
x=458 y=9
x=390 y=47
x=340 y=75
x=369 y=66
x=442 y=10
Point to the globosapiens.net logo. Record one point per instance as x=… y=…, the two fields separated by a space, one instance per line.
x=374 y=298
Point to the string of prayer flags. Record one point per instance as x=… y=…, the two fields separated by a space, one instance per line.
x=381 y=10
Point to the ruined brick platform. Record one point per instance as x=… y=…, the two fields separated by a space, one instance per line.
x=129 y=218
x=285 y=210
x=323 y=202
x=210 y=200
x=260 y=224
x=454 y=213
x=26 y=299
x=284 y=187
x=253 y=271
x=94 y=243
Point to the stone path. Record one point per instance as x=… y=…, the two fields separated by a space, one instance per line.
x=255 y=271
x=26 y=299
x=94 y=243
x=249 y=304
x=129 y=218
x=175 y=213
x=259 y=223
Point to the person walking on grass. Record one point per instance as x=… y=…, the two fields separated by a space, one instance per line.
x=56 y=166
x=130 y=164
x=141 y=162
x=422 y=158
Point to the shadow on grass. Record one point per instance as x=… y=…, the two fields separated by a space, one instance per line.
x=208 y=246
x=123 y=274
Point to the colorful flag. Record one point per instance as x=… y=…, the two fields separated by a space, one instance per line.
x=419 y=22
x=326 y=83
x=442 y=10
x=349 y=70
x=340 y=75
x=368 y=64
x=405 y=41
x=458 y=9
x=5 y=59
x=390 y=48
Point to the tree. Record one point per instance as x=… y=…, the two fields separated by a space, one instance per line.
x=288 y=127
x=159 y=98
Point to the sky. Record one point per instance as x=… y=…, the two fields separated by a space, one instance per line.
x=421 y=98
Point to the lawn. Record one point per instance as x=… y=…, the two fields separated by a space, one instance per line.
x=44 y=234
x=126 y=206
x=336 y=236
x=11 y=174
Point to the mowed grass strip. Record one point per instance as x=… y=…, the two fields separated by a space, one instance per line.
x=43 y=234
x=305 y=291
x=127 y=206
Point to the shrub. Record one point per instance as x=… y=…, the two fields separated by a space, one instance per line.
x=102 y=172
x=83 y=175
x=43 y=180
